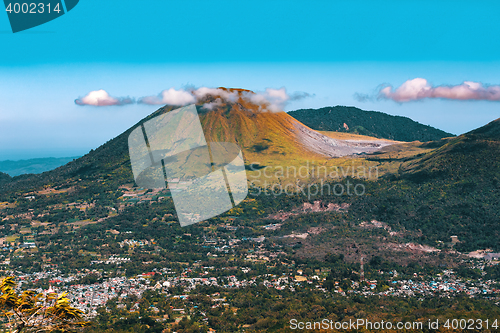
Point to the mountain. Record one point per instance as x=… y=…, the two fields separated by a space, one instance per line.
x=371 y=123
x=449 y=188
x=260 y=131
x=87 y=216
x=473 y=157
x=453 y=189
x=36 y=165
x=264 y=136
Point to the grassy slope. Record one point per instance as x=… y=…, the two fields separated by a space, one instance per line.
x=353 y=136
x=269 y=140
x=451 y=190
x=473 y=155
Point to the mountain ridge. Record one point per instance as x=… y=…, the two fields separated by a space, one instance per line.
x=372 y=123
x=34 y=165
x=268 y=136
x=452 y=190
x=458 y=157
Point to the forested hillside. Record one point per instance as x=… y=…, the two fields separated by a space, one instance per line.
x=372 y=123
x=4 y=177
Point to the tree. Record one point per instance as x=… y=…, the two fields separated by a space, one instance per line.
x=36 y=312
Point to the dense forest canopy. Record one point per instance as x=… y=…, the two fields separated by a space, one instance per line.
x=372 y=123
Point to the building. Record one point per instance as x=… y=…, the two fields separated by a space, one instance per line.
x=491 y=256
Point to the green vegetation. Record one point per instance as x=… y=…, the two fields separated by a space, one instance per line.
x=371 y=123
x=37 y=312
x=4 y=178
x=259 y=309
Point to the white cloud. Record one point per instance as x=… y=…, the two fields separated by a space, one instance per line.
x=277 y=98
x=213 y=105
x=102 y=98
x=202 y=92
x=170 y=97
x=419 y=88
x=273 y=100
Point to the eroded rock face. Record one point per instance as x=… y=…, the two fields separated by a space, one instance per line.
x=316 y=207
x=323 y=145
x=412 y=247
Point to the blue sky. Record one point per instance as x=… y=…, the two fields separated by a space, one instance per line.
x=331 y=49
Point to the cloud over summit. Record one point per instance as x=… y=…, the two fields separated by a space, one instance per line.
x=169 y=97
x=271 y=99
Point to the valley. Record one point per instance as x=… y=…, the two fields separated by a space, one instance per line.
x=385 y=240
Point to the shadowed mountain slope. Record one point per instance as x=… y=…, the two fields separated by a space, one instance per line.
x=473 y=157
x=452 y=190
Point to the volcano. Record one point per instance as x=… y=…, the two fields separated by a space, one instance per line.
x=261 y=132
x=227 y=115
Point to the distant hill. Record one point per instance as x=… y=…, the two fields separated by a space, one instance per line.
x=451 y=190
x=372 y=123
x=4 y=178
x=36 y=165
x=472 y=158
